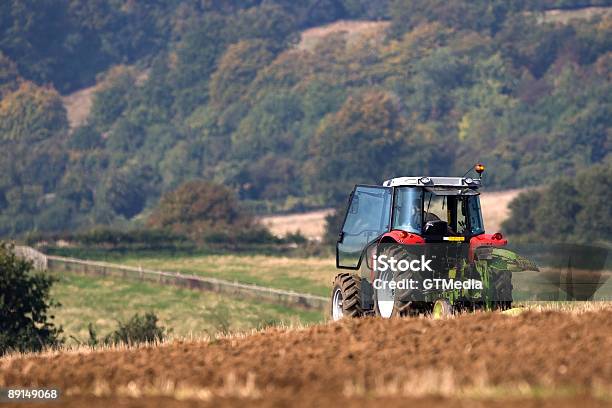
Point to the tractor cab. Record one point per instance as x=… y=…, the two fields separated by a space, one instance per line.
x=410 y=210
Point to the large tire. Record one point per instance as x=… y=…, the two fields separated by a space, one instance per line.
x=501 y=282
x=346 y=297
x=399 y=308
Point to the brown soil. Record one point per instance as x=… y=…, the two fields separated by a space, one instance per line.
x=534 y=359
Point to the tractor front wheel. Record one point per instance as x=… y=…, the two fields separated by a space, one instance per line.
x=346 y=297
x=442 y=309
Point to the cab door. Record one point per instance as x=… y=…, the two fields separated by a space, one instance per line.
x=367 y=218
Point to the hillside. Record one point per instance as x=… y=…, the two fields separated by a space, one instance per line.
x=470 y=360
x=78 y=103
x=288 y=105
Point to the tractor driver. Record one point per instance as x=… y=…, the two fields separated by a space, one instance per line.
x=416 y=213
x=429 y=216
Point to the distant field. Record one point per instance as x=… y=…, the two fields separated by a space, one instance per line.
x=495 y=208
x=312 y=224
x=305 y=275
x=354 y=30
x=565 y=16
x=103 y=301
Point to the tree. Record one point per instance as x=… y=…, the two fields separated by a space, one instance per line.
x=594 y=185
x=569 y=209
x=112 y=98
x=355 y=145
x=333 y=224
x=25 y=323
x=237 y=68
x=85 y=138
x=271 y=125
x=8 y=75
x=557 y=209
x=31 y=114
x=125 y=191
x=273 y=177
x=522 y=213
x=197 y=55
x=198 y=207
x=478 y=15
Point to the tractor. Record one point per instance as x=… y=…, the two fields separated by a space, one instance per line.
x=417 y=246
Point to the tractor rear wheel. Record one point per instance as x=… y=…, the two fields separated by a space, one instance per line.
x=389 y=303
x=346 y=297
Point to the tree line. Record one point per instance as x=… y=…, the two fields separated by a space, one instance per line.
x=222 y=92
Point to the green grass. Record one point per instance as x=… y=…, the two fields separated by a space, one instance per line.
x=312 y=275
x=104 y=301
x=306 y=275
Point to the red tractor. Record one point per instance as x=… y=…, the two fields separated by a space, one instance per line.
x=431 y=230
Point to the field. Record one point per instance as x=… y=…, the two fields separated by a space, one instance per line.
x=535 y=359
x=310 y=224
x=565 y=16
x=104 y=301
x=304 y=275
x=353 y=31
x=312 y=275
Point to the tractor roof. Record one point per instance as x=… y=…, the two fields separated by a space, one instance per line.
x=433 y=182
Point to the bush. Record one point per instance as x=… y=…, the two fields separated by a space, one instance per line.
x=109 y=237
x=150 y=238
x=208 y=212
x=254 y=234
x=24 y=304
x=85 y=138
x=137 y=330
x=296 y=238
x=333 y=224
x=196 y=205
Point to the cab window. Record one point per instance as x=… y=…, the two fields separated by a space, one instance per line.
x=367 y=218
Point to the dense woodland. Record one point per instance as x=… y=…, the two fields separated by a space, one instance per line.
x=575 y=209
x=221 y=91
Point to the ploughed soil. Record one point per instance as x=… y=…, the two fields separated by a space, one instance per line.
x=534 y=359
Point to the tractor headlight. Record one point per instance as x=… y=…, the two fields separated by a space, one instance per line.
x=469 y=180
x=425 y=180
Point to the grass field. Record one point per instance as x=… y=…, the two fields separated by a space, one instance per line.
x=104 y=301
x=305 y=275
